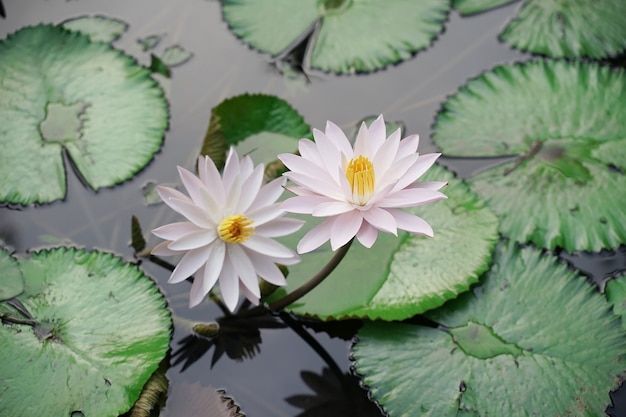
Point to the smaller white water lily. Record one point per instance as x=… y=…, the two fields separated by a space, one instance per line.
x=360 y=190
x=231 y=220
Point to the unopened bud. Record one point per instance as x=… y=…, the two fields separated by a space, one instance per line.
x=206 y=329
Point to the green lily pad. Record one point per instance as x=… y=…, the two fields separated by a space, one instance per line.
x=175 y=55
x=405 y=275
x=11 y=280
x=238 y=118
x=56 y=100
x=98 y=28
x=533 y=339
x=344 y=36
x=569 y=28
x=616 y=295
x=468 y=7
x=98 y=329
x=150 y=42
x=566 y=123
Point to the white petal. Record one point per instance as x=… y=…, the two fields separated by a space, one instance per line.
x=186 y=207
x=305 y=168
x=316 y=184
x=411 y=197
x=231 y=170
x=345 y=228
x=267 y=269
x=408 y=145
x=386 y=154
x=244 y=268
x=233 y=195
x=250 y=189
x=339 y=139
x=229 y=285
x=196 y=295
x=411 y=223
x=213 y=266
x=268 y=194
x=211 y=178
x=308 y=150
x=189 y=264
x=248 y=294
x=367 y=235
x=431 y=185
x=175 y=231
x=395 y=172
x=266 y=246
x=265 y=214
x=381 y=219
x=303 y=204
x=421 y=165
x=362 y=142
x=162 y=250
x=167 y=193
x=331 y=155
x=195 y=189
x=279 y=227
x=194 y=240
x=377 y=134
x=316 y=236
x=331 y=208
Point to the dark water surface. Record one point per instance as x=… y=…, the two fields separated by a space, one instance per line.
x=223 y=67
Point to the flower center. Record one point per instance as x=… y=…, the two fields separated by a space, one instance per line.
x=235 y=229
x=360 y=175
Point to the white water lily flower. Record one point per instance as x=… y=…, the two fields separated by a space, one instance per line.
x=360 y=190
x=231 y=220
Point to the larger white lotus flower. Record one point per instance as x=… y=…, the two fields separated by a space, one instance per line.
x=231 y=220
x=360 y=190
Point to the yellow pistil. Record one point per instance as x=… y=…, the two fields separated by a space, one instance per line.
x=235 y=229
x=360 y=175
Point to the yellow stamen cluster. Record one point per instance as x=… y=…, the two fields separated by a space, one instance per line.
x=235 y=229
x=360 y=175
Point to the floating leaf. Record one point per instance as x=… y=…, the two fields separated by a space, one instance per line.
x=525 y=342
x=56 y=99
x=467 y=7
x=241 y=117
x=569 y=28
x=149 y=42
x=616 y=295
x=405 y=275
x=98 y=28
x=566 y=123
x=99 y=325
x=349 y=35
x=11 y=280
x=175 y=55
x=195 y=400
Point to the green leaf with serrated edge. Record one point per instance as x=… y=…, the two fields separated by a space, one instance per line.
x=341 y=42
x=566 y=123
x=468 y=7
x=569 y=28
x=98 y=28
x=101 y=327
x=175 y=55
x=240 y=117
x=405 y=275
x=55 y=97
x=532 y=348
x=616 y=295
x=11 y=280
x=200 y=401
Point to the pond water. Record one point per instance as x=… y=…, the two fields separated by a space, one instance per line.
x=222 y=67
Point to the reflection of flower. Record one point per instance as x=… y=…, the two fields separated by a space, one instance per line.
x=360 y=190
x=231 y=220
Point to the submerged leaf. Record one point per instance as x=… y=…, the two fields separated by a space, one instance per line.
x=175 y=55
x=408 y=274
x=566 y=123
x=149 y=42
x=524 y=342
x=344 y=36
x=97 y=324
x=98 y=28
x=56 y=100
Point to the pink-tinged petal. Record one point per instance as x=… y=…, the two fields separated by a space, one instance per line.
x=167 y=194
x=332 y=208
x=395 y=172
x=381 y=219
x=408 y=146
x=211 y=178
x=248 y=294
x=339 y=139
x=194 y=240
x=345 y=228
x=246 y=166
x=231 y=170
x=279 y=227
x=244 y=268
x=268 y=247
x=265 y=214
x=267 y=269
x=192 y=212
x=162 y=250
x=362 y=142
x=378 y=134
x=197 y=190
x=302 y=204
x=196 y=295
x=421 y=165
x=308 y=150
x=411 y=223
x=233 y=195
x=332 y=190
x=250 y=189
x=175 y=231
x=331 y=154
x=411 y=197
x=431 y=185
x=268 y=194
x=229 y=285
x=367 y=235
x=297 y=190
x=213 y=266
x=316 y=236
x=305 y=167
x=386 y=154
x=189 y=264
